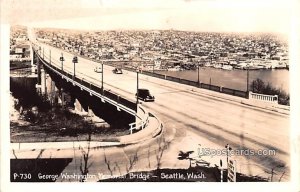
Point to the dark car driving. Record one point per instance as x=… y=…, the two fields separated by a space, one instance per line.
x=144 y=94
x=117 y=71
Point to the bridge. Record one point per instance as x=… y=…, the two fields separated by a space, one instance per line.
x=193 y=118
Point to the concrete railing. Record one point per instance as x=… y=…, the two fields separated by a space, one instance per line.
x=264 y=98
x=140 y=124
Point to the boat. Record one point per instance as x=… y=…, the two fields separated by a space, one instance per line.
x=207 y=65
x=227 y=67
x=241 y=66
x=176 y=68
x=217 y=66
x=254 y=67
x=260 y=66
x=280 y=66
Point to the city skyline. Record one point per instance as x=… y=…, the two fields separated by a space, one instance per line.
x=188 y=15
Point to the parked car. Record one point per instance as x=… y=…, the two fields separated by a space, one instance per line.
x=144 y=94
x=117 y=71
x=98 y=69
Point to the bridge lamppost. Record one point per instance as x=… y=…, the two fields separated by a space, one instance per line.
x=102 y=70
x=247 y=79
x=62 y=59
x=198 y=74
x=75 y=60
x=137 y=87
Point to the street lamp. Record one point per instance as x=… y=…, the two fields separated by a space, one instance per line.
x=137 y=88
x=248 y=79
x=102 y=70
x=62 y=59
x=198 y=74
x=75 y=60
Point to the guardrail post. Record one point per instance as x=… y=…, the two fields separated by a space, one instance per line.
x=276 y=96
x=131 y=127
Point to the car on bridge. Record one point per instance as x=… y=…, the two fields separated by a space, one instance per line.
x=144 y=94
x=98 y=69
x=117 y=71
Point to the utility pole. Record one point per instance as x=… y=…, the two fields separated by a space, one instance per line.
x=247 y=79
x=102 y=89
x=75 y=60
x=137 y=88
x=198 y=74
x=62 y=59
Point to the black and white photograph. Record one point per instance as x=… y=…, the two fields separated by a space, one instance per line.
x=131 y=91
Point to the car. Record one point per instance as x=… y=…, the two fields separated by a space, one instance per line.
x=117 y=71
x=98 y=69
x=144 y=94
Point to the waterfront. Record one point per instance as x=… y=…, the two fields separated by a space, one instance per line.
x=235 y=79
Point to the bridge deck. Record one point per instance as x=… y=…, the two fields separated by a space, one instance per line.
x=194 y=116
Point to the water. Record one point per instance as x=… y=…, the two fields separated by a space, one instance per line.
x=235 y=79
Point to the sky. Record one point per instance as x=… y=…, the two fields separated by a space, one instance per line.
x=192 y=15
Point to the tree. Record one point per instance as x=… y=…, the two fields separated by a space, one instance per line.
x=257 y=86
x=162 y=146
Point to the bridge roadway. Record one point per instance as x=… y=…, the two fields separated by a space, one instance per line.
x=195 y=118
